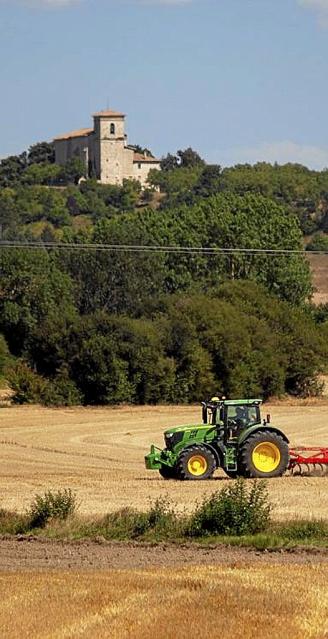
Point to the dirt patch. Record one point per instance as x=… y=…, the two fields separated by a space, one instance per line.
x=42 y=554
x=319 y=270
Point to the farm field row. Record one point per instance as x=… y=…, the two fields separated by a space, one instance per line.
x=234 y=601
x=98 y=453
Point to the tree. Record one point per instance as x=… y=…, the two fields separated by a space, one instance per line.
x=189 y=158
x=32 y=288
x=11 y=169
x=169 y=162
x=8 y=209
x=41 y=153
x=72 y=171
x=41 y=173
x=210 y=181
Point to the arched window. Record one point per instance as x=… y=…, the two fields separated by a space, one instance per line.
x=112 y=128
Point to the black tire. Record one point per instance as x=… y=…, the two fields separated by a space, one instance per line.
x=233 y=474
x=195 y=463
x=264 y=454
x=167 y=472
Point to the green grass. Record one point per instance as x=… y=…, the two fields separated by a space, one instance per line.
x=236 y=516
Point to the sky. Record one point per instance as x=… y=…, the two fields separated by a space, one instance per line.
x=237 y=80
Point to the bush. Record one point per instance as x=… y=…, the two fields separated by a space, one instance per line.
x=59 y=505
x=31 y=388
x=239 y=509
x=12 y=523
x=160 y=521
x=305 y=530
x=28 y=386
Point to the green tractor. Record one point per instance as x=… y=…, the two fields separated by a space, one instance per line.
x=232 y=437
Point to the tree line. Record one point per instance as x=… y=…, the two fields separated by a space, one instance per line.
x=101 y=327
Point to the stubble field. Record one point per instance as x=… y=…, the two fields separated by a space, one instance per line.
x=56 y=590
x=99 y=454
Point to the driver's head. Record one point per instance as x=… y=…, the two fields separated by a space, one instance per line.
x=240 y=411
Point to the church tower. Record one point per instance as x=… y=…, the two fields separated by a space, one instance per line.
x=109 y=146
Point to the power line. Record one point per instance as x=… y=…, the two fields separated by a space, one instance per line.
x=131 y=248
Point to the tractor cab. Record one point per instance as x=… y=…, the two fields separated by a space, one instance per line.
x=231 y=416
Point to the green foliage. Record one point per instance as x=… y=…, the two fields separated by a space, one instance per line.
x=32 y=288
x=304 y=530
x=28 y=386
x=4 y=355
x=319 y=242
x=12 y=523
x=41 y=153
x=239 y=509
x=183 y=159
x=11 y=169
x=107 y=327
x=31 y=388
x=51 y=505
x=159 y=522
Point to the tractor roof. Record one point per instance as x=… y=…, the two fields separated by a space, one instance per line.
x=237 y=402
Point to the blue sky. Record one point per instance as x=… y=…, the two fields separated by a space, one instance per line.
x=238 y=80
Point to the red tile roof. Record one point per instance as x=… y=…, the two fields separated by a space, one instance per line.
x=79 y=133
x=139 y=157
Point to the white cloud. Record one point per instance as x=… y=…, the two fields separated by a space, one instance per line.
x=320 y=7
x=312 y=156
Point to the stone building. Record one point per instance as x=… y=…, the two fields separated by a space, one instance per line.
x=105 y=151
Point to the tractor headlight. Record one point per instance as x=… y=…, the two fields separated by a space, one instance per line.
x=172 y=439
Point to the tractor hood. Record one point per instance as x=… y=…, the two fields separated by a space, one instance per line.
x=184 y=428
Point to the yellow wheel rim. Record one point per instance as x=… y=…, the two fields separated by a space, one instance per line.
x=266 y=457
x=197 y=465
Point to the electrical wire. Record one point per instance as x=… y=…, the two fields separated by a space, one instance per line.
x=131 y=248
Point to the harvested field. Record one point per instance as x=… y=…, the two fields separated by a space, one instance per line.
x=99 y=454
x=234 y=601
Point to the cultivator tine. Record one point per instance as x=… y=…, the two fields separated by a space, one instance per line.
x=309 y=461
x=296 y=470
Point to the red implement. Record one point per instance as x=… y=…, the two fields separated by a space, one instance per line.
x=304 y=457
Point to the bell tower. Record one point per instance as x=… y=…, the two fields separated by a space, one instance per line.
x=109 y=145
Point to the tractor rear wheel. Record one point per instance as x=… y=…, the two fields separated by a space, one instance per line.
x=196 y=462
x=264 y=454
x=167 y=472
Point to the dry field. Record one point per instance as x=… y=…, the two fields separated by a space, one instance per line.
x=239 y=601
x=99 y=454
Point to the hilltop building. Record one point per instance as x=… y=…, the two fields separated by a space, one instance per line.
x=105 y=151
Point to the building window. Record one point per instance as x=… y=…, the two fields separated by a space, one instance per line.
x=139 y=166
x=112 y=128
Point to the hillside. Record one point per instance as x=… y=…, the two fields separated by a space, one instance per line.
x=319 y=270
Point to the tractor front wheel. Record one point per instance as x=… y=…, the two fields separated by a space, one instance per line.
x=264 y=454
x=196 y=462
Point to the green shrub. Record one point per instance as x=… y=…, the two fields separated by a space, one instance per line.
x=305 y=530
x=12 y=523
x=238 y=509
x=31 y=388
x=319 y=242
x=58 y=505
x=61 y=391
x=27 y=385
x=159 y=522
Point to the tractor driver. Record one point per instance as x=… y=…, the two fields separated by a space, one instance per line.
x=241 y=419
